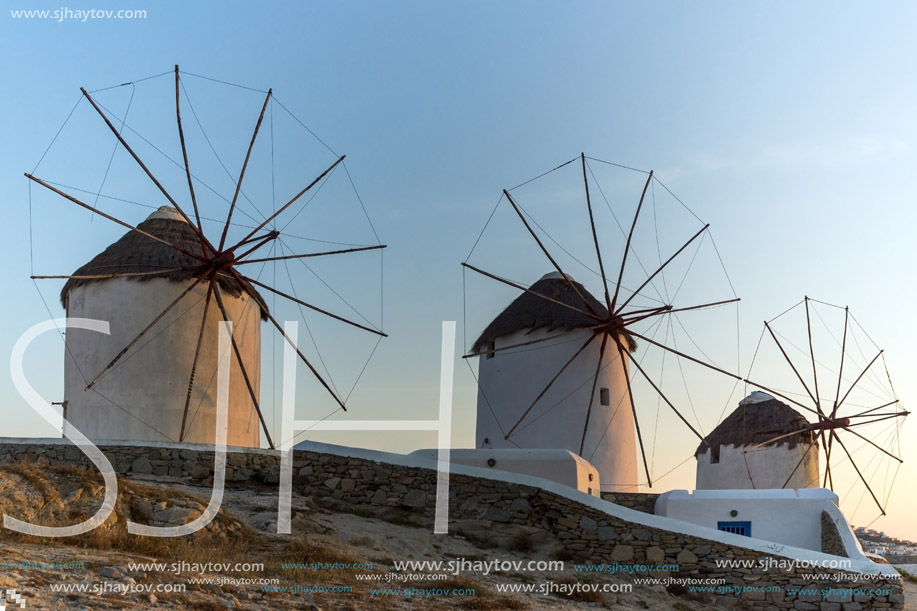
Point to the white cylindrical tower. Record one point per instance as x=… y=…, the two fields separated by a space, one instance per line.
x=729 y=458
x=143 y=397
x=510 y=380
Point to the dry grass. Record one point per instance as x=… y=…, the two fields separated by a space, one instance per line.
x=35 y=478
x=231 y=540
x=492 y=604
x=522 y=543
x=583 y=596
x=906 y=575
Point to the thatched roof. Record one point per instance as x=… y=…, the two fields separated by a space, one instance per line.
x=529 y=312
x=754 y=422
x=135 y=252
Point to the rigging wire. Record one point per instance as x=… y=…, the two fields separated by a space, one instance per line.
x=306 y=323
x=54 y=139
x=480 y=235
x=99 y=195
x=306 y=127
x=170 y=159
x=134 y=82
x=633 y=251
x=207 y=78
x=328 y=286
x=229 y=175
x=203 y=218
x=114 y=150
x=360 y=199
x=618 y=165
x=522 y=184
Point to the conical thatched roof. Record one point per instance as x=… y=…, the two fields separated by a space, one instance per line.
x=757 y=419
x=529 y=312
x=135 y=252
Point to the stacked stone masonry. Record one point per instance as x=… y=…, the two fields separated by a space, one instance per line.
x=589 y=534
x=638 y=501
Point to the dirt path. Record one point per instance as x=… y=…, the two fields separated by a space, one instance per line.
x=910 y=595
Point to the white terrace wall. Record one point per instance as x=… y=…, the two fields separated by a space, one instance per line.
x=792 y=517
x=561 y=466
x=592 y=529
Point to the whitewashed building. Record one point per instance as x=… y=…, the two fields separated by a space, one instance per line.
x=142 y=398
x=729 y=457
x=511 y=380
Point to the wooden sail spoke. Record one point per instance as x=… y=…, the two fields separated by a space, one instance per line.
x=793 y=367
x=256 y=244
x=113 y=219
x=666 y=399
x=857 y=469
x=510 y=347
x=799 y=464
x=197 y=354
x=840 y=373
x=873 y=444
x=723 y=371
x=280 y=210
x=241 y=362
x=661 y=267
x=633 y=407
x=629 y=317
x=814 y=369
x=145 y=330
x=167 y=270
x=595 y=381
x=829 y=480
x=859 y=377
x=821 y=427
x=630 y=235
x=548 y=386
x=595 y=236
x=875 y=409
x=184 y=153
x=885 y=417
x=146 y=170
x=310 y=306
x=683 y=355
x=248 y=154
x=303 y=358
x=530 y=291
x=310 y=254
x=538 y=241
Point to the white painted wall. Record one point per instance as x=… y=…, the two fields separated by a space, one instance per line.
x=764 y=468
x=511 y=380
x=791 y=517
x=151 y=381
x=561 y=466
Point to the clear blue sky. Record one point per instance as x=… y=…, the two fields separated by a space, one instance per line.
x=789 y=127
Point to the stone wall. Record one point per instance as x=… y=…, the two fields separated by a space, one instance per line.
x=831 y=542
x=588 y=533
x=634 y=500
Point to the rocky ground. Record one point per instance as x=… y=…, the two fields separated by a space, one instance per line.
x=910 y=596
x=328 y=540
x=345 y=557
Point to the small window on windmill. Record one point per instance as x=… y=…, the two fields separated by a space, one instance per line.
x=715 y=454
x=604 y=396
x=490 y=349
